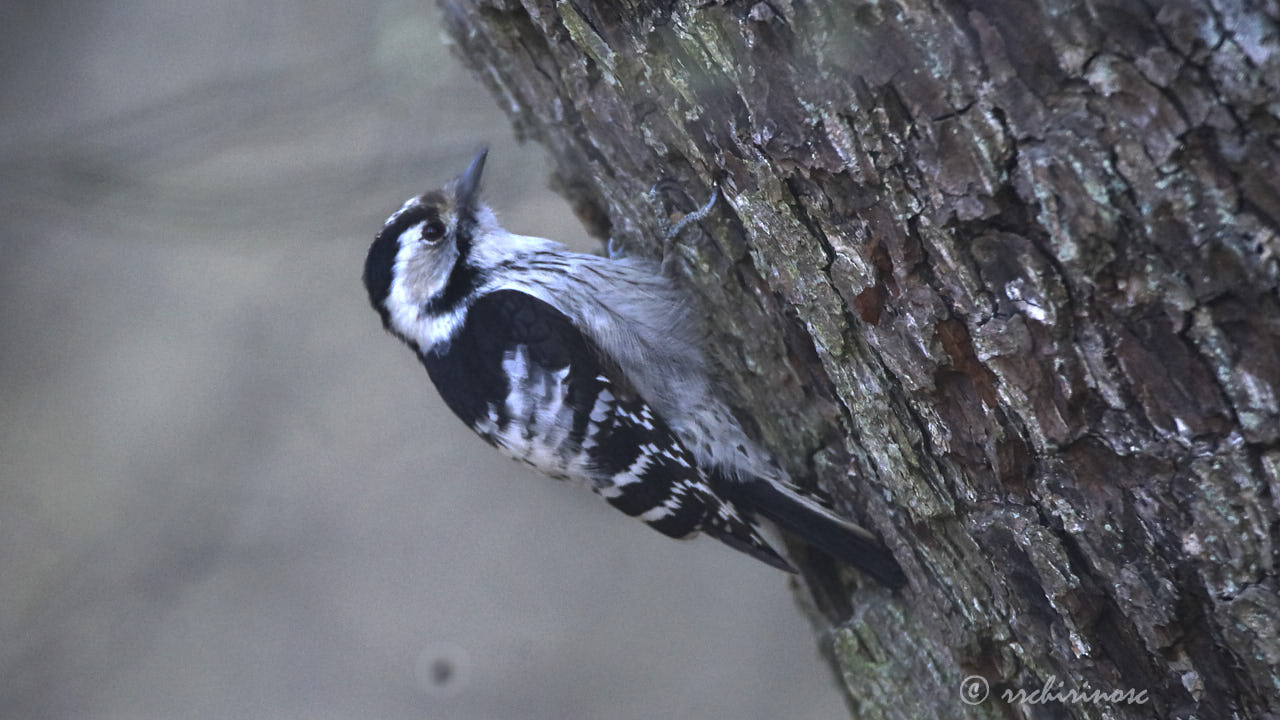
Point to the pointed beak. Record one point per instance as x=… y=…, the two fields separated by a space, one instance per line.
x=469 y=183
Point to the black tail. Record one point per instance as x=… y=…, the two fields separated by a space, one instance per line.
x=808 y=519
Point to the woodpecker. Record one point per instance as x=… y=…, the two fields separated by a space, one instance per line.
x=590 y=369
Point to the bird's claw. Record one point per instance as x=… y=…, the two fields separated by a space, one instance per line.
x=668 y=185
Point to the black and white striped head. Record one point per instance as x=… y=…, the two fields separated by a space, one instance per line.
x=418 y=266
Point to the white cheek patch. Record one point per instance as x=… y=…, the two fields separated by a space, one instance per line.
x=416 y=278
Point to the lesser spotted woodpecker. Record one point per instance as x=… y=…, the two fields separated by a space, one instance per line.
x=590 y=369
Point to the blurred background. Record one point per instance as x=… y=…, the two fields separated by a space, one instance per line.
x=224 y=491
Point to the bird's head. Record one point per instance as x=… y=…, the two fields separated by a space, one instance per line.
x=419 y=264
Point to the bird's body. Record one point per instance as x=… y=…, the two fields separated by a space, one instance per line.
x=590 y=369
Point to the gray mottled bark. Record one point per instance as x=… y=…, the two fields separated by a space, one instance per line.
x=1001 y=276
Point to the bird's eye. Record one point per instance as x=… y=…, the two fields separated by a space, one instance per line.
x=433 y=231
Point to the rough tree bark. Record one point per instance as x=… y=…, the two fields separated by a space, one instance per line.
x=1000 y=276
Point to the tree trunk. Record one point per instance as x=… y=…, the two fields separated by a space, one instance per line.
x=1002 y=277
